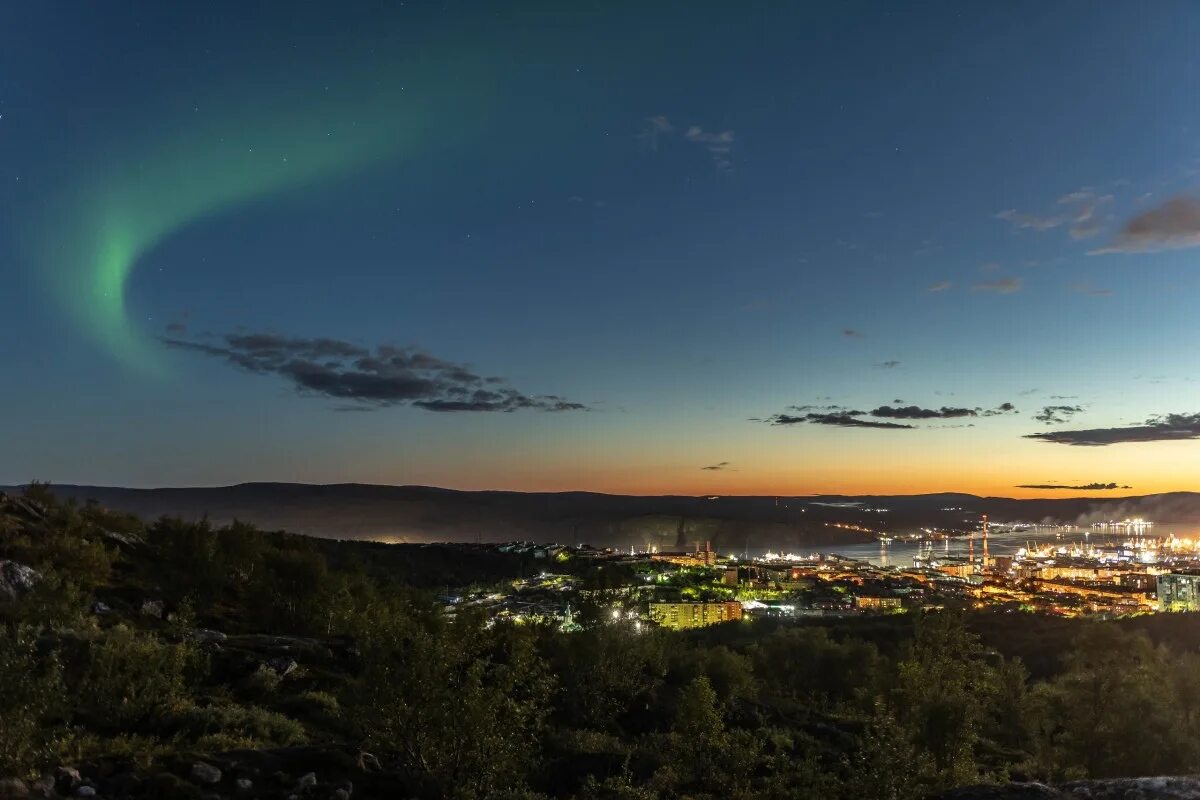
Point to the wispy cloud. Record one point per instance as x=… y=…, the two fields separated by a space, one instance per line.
x=1079 y=210
x=887 y=364
x=718 y=467
x=719 y=145
x=851 y=333
x=940 y=286
x=1165 y=428
x=1000 y=286
x=653 y=130
x=1174 y=225
x=1083 y=287
x=373 y=377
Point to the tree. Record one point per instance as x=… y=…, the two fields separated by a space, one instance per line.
x=1115 y=710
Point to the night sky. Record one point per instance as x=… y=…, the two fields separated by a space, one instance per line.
x=755 y=248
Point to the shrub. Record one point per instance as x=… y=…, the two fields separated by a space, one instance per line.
x=30 y=690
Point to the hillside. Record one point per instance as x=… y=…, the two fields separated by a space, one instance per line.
x=423 y=514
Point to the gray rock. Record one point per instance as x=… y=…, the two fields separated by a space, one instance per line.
x=43 y=786
x=99 y=607
x=206 y=636
x=85 y=791
x=16 y=579
x=205 y=773
x=244 y=785
x=341 y=794
x=369 y=763
x=127 y=539
x=66 y=779
x=1154 y=788
x=306 y=782
x=283 y=666
x=13 y=789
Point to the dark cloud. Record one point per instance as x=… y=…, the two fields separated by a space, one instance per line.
x=850 y=333
x=1086 y=487
x=383 y=376
x=176 y=328
x=850 y=418
x=1055 y=415
x=1003 y=408
x=1174 y=225
x=1169 y=427
x=916 y=412
x=720 y=465
x=841 y=419
x=888 y=364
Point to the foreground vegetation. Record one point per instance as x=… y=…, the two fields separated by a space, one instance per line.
x=148 y=649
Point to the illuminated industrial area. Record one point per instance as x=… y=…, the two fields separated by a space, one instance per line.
x=1105 y=570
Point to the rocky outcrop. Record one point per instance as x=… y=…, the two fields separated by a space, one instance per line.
x=16 y=579
x=1158 y=788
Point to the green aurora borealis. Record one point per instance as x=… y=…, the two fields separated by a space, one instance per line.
x=160 y=173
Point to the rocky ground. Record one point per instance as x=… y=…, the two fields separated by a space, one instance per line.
x=315 y=773
x=1158 y=788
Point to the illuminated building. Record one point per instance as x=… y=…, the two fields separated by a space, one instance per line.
x=681 y=616
x=865 y=602
x=1178 y=592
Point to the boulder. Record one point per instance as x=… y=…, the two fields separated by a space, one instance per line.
x=152 y=608
x=206 y=636
x=85 y=791
x=307 y=781
x=13 y=789
x=16 y=579
x=205 y=774
x=99 y=607
x=244 y=785
x=66 y=780
x=283 y=666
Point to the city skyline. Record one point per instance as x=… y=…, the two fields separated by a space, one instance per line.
x=853 y=249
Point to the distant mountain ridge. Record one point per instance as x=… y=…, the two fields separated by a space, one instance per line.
x=422 y=513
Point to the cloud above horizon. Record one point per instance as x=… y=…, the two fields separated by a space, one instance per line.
x=1174 y=225
x=1164 y=428
x=383 y=376
x=1054 y=415
x=1086 y=487
x=851 y=418
x=718 y=467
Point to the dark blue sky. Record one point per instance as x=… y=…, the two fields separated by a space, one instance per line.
x=652 y=223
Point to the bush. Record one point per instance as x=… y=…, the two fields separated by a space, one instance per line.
x=133 y=680
x=31 y=689
x=228 y=726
